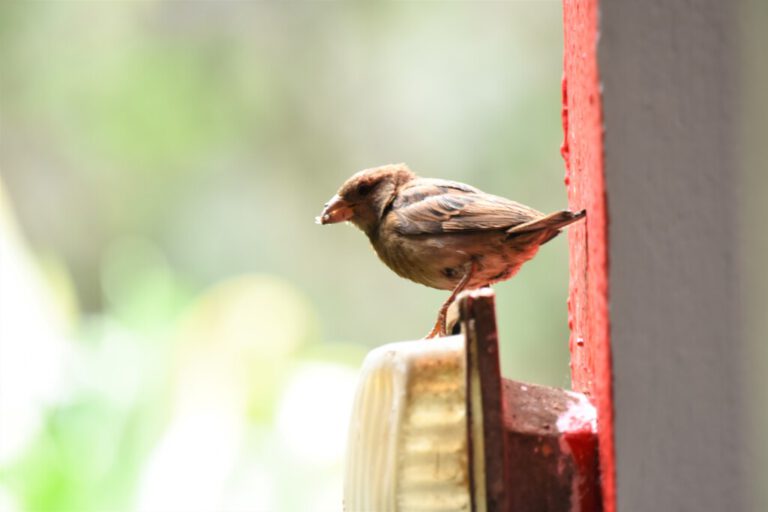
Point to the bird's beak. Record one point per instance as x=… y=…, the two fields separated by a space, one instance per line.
x=336 y=210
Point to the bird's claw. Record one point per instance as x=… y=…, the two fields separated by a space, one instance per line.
x=439 y=330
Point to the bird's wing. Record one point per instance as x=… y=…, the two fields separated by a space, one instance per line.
x=432 y=206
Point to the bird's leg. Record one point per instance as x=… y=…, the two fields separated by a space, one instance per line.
x=439 y=328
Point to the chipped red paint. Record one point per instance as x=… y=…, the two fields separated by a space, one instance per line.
x=582 y=151
x=578 y=439
x=581 y=447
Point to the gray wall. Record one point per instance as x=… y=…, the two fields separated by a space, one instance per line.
x=669 y=71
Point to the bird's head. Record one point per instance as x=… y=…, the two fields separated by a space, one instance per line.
x=364 y=197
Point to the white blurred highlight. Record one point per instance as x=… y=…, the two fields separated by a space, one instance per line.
x=190 y=467
x=233 y=348
x=33 y=349
x=314 y=412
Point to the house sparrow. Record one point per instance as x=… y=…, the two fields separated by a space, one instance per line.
x=440 y=233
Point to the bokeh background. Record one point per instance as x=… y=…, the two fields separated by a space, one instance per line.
x=176 y=332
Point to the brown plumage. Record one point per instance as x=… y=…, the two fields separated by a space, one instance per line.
x=440 y=233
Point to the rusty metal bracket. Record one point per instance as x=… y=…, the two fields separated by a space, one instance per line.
x=531 y=448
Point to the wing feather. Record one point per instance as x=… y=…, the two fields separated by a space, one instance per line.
x=438 y=206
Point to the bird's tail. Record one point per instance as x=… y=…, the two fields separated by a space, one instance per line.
x=553 y=223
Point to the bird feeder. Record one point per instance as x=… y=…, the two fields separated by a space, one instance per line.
x=435 y=427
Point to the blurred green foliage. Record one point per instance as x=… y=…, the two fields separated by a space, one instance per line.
x=164 y=161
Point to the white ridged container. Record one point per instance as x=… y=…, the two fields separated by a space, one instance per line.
x=407 y=445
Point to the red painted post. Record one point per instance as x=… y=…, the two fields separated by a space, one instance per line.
x=583 y=154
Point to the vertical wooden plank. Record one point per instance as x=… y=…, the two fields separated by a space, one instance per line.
x=485 y=427
x=583 y=154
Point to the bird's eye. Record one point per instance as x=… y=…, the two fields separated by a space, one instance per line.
x=364 y=188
